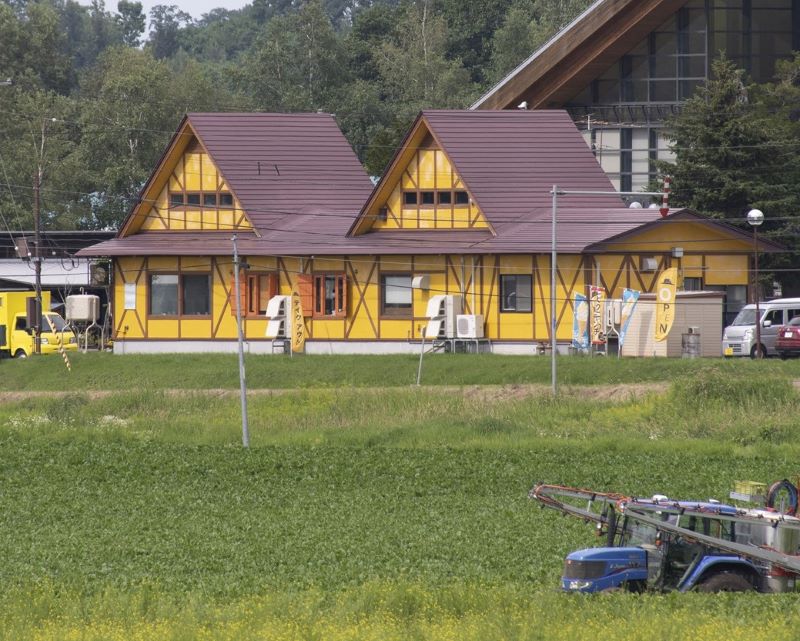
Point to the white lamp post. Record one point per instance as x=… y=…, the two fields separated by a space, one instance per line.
x=755 y=217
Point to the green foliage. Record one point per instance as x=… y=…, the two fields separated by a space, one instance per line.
x=361 y=514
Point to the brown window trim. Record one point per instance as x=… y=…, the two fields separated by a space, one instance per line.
x=267 y=279
x=202 y=193
x=501 y=293
x=340 y=295
x=180 y=315
x=402 y=313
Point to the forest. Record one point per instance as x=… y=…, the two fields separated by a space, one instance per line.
x=89 y=96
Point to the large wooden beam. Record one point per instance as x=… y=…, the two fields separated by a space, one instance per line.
x=580 y=53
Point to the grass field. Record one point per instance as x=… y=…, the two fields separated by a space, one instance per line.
x=394 y=513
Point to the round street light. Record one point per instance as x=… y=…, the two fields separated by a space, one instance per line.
x=755 y=217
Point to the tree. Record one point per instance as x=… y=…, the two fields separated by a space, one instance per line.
x=166 y=22
x=131 y=105
x=734 y=151
x=415 y=71
x=298 y=63
x=131 y=22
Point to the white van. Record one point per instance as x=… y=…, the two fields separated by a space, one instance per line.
x=739 y=338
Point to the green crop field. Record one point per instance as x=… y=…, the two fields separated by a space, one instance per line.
x=365 y=508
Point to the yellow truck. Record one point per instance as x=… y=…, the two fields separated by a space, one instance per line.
x=17 y=338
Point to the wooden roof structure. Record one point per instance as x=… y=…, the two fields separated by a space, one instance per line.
x=578 y=54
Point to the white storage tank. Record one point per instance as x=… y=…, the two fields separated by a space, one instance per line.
x=83 y=308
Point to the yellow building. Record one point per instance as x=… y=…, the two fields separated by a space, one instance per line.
x=464 y=210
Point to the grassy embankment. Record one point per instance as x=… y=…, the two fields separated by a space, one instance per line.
x=380 y=514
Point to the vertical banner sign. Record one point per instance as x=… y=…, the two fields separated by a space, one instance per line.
x=629 y=299
x=580 y=323
x=597 y=299
x=665 y=302
x=297 y=324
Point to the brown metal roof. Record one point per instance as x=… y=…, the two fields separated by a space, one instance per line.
x=281 y=165
x=309 y=190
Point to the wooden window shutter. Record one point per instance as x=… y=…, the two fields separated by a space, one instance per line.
x=242 y=294
x=342 y=293
x=305 y=288
x=274 y=285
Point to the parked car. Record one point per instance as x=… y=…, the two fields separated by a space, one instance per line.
x=739 y=338
x=788 y=343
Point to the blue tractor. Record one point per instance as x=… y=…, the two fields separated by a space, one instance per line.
x=662 y=545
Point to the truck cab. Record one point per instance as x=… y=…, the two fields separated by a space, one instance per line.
x=638 y=557
x=21 y=344
x=17 y=336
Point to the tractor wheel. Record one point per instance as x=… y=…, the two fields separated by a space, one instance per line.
x=725 y=582
x=20 y=353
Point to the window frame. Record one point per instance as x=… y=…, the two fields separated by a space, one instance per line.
x=202 y=195
x=180 y=292
x=340 y=295
x=395 y=313
x=503 y=309
x=264 y=281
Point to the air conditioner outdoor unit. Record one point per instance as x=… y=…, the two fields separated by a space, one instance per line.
x=649 y=264
x=278 y=308
x=441 y=313
x=469 y=325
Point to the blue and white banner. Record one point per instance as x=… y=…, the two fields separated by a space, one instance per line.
x=580 y=323
x=629 y=299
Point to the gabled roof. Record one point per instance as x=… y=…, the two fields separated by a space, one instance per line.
x=276 y=165
x=509 y=162
x=578 y=54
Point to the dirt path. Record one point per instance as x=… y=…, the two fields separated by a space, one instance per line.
x=482 y=393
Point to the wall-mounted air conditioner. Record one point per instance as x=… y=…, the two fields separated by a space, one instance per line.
x=441 y=314
x=421 y=282
x=278 y=308
x=648 y=264
x=469 y=325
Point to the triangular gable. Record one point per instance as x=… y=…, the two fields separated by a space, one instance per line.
x=693 y=233
x=421 y=189
x=186 y=192
x=578 y=54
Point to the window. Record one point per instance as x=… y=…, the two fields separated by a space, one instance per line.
x=409 y=198
x=198 y=199
x=692 y=284
x=445 y=197
x=515 y=292
x=195 y=295
x=330 y=295
x=180 y=295
x=461 y=197
x=397 y=296
x=260 y=288
x=774 y=316
x=428 y=197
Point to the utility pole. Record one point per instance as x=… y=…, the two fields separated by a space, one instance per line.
x=37 y=255
x=242 y=383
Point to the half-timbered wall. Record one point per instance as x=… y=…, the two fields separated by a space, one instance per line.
x=196 y=197
x=430 y=195
x=476 y=278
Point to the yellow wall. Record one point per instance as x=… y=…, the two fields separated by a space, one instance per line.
x=476 y=279
x=194 y=171
x=429 y=169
